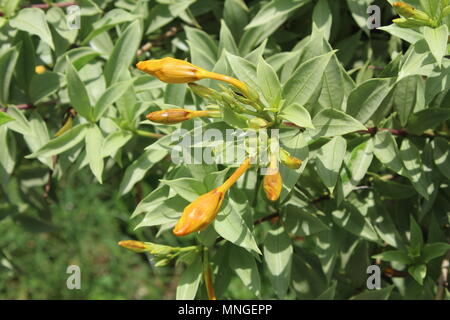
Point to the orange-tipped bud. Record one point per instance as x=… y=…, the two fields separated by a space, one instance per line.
x=199 y=214
x=289 y=161
x=136 y=246
x=272 y=182
x=409 y=11
x=172 y=116
x=172 y=70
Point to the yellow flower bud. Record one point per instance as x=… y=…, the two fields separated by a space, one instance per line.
x=409 y=11
x=136 y=246
x=272 y=182
x=39 y=69
x=199 y=214
x=290 y=161
x=172 y=116
x=172 y=70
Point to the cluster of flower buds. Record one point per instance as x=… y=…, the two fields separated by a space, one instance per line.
x=199 y=214
x=161 y=253
x=411 y=17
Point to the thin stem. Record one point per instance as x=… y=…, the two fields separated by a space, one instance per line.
x=207 y=275
x=147 y=134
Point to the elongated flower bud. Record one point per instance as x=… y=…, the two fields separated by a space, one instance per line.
x=172 y=116
x=288 y=160
x=409 y=11
x=136 y=246
x=257 y=123
x=172 y=70
x=203 y=91
x=272 y=182
x=199 y=214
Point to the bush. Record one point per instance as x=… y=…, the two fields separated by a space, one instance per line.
x=269 y=149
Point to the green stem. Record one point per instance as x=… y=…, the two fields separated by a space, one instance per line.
x=147 y=134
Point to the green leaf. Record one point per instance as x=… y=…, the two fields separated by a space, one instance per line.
x=302 y=222
x=418 y=272
x=441 y=152
x=322 y=18
x=137 y=170
x=109 y=20
x=427 y=119
x=437 y=41
x=43 y=85
x=226 y=40
x=434 y=250
x=243 y=69
x=278 y=254
x=329 y=161
x=386 y=150
x=188 y=188
x=7 y=64
x=124 y=52
x=269 y=83
x=306 y=78
x=4 y=118
x=243 y=264
x=190 y=280
x=230 y=225
x=359 y=12
x=360 y=160
x=382 y=294
x=162 y=14
x=331 y=122
x=78 y=94
x=351 y=219
x=110 y=96
x=407 y=34
x=235 y=14
x=415 y=237
x=32 y=20
x=204 y=51
x=274 y=10
x=296 y=114
x=365 y=99
x=114 y=141
x=394 y=256
x=329 y=293
x=62 y=143
x=167 y=212
x=414 y=168
x=405 y=97
x=94 y=143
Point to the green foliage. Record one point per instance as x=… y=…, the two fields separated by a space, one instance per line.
x=367 y=113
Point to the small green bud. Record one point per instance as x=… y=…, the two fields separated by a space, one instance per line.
x=257 y=123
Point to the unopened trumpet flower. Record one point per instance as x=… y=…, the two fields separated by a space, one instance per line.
x=199 y=214
x=272 y=182
x=172 y=116
x=172 y=70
